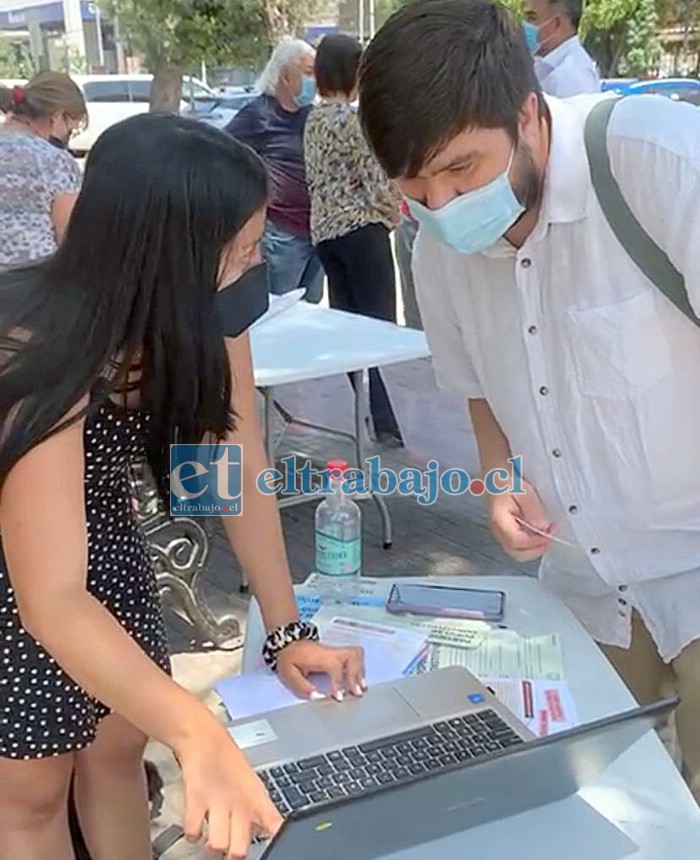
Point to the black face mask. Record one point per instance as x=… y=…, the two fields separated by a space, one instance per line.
x=57 y=142
x=241 y=303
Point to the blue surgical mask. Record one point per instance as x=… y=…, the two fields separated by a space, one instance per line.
x=307 y=93
x=532 y=36
x=476 y=220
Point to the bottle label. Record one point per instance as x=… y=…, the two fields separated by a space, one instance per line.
x=337 y=557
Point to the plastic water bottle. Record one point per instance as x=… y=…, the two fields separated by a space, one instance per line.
x=338 y=539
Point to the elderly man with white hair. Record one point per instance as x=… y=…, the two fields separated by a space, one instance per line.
x=273 y=125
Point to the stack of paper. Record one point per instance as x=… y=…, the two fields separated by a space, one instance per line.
x=389 y=654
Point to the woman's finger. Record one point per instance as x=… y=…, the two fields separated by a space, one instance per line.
x=240 y=836
x=270 y=820
x=195 y=812
x=335 y=669
x=355 y=671
x=295 y=679
x=219 y=830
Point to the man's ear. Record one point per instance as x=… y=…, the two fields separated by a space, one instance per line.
x=529 y=119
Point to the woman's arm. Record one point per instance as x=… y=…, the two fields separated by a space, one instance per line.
x=63 y=182
x=44 y=534
x=257 y=540
x=61 y=210
x=256 y=536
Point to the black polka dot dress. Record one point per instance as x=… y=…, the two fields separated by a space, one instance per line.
x=42 y=711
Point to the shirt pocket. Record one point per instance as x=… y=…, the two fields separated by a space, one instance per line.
x=619 y=350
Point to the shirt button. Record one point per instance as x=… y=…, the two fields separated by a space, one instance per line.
x=532 y=329
x=595 y=550
x=622 y=602
x=573 y=509
x=622 y=589
x=556 y=453
x=526 y=263
x=544 y=390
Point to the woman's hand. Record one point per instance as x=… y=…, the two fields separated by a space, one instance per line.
x=345 y=667
x=505 y=510
x=223 y=790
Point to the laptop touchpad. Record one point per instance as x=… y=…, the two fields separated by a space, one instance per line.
x=382 y=710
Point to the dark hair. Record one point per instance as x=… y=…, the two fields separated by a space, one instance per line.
x=46 y=94
x=337 y=63
x=573 y=9
x=437 y=68
x=135 y=274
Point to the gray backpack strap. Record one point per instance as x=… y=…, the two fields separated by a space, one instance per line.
x=643 y=250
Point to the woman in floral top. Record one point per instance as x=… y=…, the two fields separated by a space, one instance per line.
x=354 y=207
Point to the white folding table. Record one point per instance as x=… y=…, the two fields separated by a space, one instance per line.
x=307 y=342
x=640 y=808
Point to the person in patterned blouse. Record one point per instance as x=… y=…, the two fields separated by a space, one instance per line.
x=354 y=207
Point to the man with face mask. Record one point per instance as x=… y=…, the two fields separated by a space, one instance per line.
x=273 y=125
x=562 y=64
x=569 y=356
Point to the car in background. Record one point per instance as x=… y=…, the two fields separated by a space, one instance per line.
x=228 y=104
x=113 y=98
x=616 y=85
x=678 y=89
x=236 y=101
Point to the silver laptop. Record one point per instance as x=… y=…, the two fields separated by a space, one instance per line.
x=416 y=760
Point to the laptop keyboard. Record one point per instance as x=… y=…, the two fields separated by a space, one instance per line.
x=389 y=760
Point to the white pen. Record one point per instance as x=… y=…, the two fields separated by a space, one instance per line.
x=543 y=533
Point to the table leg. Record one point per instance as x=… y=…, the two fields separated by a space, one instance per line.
x=361 y=411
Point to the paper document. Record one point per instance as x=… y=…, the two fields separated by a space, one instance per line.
x=279 y=303
x=405 y=648
x=310 y=604
x=389 y=654
x=260 y=691
x=505 y=656
x=458 y=632
x=545 y=707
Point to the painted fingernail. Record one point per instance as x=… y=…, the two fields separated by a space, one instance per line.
x=339 y=696
x=359 y=691
x=315 y=696
x=364 y=683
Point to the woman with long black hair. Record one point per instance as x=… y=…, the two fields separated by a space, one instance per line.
x=131 y=337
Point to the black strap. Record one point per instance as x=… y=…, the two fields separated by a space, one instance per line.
x=643 y=250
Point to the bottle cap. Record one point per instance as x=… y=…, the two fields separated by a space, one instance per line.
x=337 y=468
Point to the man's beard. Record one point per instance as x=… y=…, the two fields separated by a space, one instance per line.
x=527 y=184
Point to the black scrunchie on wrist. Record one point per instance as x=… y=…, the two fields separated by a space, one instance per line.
x=278 y=639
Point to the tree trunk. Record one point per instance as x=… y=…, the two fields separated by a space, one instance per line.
x=166 y=92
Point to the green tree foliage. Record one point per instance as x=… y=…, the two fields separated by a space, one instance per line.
x=622 y=35
x=176 y=35
x=15 y=60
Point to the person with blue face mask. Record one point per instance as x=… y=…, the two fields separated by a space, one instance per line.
x=273 y=125
x=550 y=324
x=562 y=65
